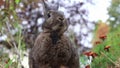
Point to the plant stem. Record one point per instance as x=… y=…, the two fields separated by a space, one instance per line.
x=108 y=58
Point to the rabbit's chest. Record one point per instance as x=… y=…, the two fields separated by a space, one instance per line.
x=56 y=53
x=60 y=51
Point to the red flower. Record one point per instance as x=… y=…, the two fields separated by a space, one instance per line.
x=107 y=48
x=87 y=53
x=97 y=42
x=93 y=54
x=88 y=66
x=90 y=53
x=103 y=37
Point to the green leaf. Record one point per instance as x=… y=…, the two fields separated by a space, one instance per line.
x=11 y=7
x=9 y=63
x=17 y=1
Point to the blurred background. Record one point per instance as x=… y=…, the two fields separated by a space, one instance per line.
x=89 y=21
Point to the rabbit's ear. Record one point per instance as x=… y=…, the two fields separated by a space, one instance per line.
x=55 y=6
x=46 y=11
x=46 y=8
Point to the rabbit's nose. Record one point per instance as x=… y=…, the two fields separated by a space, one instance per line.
x=60 y=19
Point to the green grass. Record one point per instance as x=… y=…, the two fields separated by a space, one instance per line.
x=107 y=58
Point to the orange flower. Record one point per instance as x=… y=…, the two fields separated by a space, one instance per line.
x=107 y=48
x=97 y=42
x=87 y=53
x=103 y=37
x=88 y=66
x=90 y=53
x=93 y=54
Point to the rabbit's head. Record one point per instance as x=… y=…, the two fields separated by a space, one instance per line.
x=54 y=21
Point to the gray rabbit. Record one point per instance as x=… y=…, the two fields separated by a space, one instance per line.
x=53 y=49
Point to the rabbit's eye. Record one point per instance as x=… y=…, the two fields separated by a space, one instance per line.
x=48 y=15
